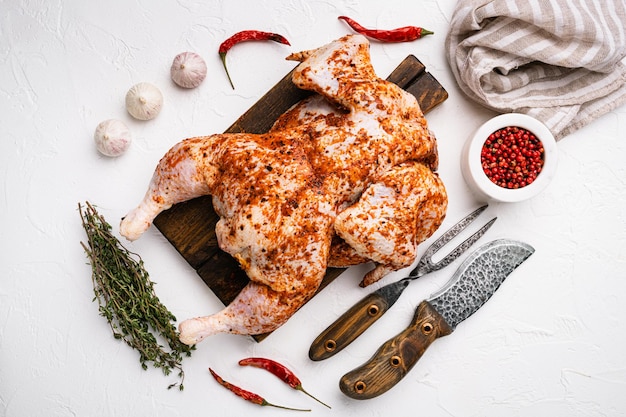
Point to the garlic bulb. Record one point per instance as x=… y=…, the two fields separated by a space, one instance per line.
x=188 y=70
x=144 y=101
x=112 y=137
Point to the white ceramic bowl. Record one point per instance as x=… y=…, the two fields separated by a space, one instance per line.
x=476 y=178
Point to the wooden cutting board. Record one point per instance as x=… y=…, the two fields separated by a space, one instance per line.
x=190 y=226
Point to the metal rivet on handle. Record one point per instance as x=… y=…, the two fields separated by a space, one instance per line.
x=359 y=387
x=330 y=345
x=373 y=309
x=395 y=361
x=427 y=328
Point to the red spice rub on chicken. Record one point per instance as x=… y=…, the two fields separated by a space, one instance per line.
x=344 y=177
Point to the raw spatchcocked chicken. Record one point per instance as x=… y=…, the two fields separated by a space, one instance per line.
x=344 y=177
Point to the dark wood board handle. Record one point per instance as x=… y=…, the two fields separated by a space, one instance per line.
x=190 y=226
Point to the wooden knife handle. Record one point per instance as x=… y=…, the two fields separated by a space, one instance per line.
x=349 y=326
x=395 y=358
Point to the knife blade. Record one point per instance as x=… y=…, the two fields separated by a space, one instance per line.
x=473 y=283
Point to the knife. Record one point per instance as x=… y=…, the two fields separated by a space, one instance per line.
x=474 y=282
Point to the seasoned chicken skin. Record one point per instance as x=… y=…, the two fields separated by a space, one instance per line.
x=394 y=214
x=343 y=177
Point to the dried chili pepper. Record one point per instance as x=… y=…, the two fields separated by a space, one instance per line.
x=243 y=36
x=247 y=395
x=403 y=34
x=280 y=371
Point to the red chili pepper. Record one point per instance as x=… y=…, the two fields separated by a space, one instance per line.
x=403 y=34
x=280 y=371
x=247 y=395
x=247 y=35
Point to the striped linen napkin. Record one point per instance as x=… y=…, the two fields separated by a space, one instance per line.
x=560 y=61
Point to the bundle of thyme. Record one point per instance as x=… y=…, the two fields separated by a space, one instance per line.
x=127 y=299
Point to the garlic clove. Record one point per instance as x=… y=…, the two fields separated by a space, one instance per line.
x=144 y=101
x=188 y=70
x=112 y=137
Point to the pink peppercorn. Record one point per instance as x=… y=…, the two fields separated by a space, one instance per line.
x=512 y=157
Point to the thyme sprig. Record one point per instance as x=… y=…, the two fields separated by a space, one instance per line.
x=127 y=299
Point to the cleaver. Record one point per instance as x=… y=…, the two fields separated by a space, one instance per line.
x=473 y=283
